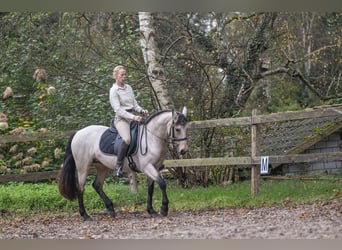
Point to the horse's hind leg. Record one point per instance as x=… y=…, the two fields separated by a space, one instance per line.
x=98 y=186
x=82 y=210
x=81 y=180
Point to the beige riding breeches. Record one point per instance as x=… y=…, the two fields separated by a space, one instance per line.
x=123 y=127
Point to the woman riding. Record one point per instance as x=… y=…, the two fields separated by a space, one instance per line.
x=123 y=102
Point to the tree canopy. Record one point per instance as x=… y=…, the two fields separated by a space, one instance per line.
x=218 y=64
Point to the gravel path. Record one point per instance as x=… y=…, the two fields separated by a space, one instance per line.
x=287 y=221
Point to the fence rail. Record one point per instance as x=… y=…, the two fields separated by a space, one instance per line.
x=259 y=119
x=252 y=161
x=247 y=161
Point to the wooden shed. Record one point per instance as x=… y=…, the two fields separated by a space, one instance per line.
x=303 y=136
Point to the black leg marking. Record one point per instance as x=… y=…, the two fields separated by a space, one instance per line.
x=82 y=210
x=150 y=189
x=164 y=209
x=109 y=204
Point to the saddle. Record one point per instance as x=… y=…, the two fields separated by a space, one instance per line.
x=111 y=140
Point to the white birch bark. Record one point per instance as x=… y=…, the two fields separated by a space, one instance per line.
x=308 y=19
x=152 y=60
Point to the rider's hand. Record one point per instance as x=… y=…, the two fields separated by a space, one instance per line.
x=144 y=111
x=137 y=118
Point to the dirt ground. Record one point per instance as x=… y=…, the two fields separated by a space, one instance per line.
x=319 y=220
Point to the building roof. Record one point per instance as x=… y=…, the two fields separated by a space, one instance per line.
x=294 y=136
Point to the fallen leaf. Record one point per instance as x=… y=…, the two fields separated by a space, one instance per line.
x=305 y=215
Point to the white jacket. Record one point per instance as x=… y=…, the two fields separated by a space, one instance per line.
x=123 y=101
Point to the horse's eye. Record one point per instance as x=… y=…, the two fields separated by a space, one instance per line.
x=177 y=129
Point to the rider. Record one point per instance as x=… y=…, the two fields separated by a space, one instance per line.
x=123 y=102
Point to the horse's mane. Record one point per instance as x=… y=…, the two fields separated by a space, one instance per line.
x=181 y=120
x=156 y=114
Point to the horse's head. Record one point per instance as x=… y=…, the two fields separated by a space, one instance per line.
x=178 y=131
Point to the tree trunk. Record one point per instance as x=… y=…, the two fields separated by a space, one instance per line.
x=258 y=43
x=152 y=59
x=308 y=19
x=156 y=74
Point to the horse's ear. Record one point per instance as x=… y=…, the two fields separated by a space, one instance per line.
x=185 y=111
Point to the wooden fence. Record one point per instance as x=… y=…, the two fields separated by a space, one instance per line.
x=252 y=161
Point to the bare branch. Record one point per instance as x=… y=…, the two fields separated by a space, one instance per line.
x=319 y=50
x=293 y=72
x=305 y=57
x=170 y=47
x=275 y=71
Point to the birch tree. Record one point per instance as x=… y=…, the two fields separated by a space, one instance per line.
x=154 y=68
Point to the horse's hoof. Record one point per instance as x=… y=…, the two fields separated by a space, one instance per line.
x=111 y=214
x=87 y=218
x=153 y=213
x=164 y=211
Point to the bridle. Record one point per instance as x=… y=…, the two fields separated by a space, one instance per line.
x=172 y=133
x=172 y=140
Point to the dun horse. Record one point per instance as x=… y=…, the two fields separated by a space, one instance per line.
x=166 y=126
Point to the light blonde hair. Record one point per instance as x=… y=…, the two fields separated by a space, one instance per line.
x=117 y=69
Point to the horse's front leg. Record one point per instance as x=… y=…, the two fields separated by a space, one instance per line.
x=150 y=190
x=154 y=176
x=164 y=209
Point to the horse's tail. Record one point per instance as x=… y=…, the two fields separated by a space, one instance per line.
x=67 y=177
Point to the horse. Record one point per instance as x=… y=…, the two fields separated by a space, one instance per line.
x=159 y=130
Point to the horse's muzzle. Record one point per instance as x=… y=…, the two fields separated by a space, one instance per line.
x=183 y=151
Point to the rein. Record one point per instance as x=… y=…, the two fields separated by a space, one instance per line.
x=144 y=134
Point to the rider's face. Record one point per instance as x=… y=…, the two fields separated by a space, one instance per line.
x=121 y=76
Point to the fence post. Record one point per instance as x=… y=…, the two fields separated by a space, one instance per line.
x=255 y=173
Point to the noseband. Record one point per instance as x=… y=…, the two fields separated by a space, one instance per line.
x=182 y=121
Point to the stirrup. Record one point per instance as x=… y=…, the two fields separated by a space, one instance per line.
x=118 y=172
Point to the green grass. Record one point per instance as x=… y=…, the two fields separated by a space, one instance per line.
x=28 y=198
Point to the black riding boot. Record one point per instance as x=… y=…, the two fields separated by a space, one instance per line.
x=120 y=159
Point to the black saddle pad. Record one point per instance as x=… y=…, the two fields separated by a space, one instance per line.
x=111 y=140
